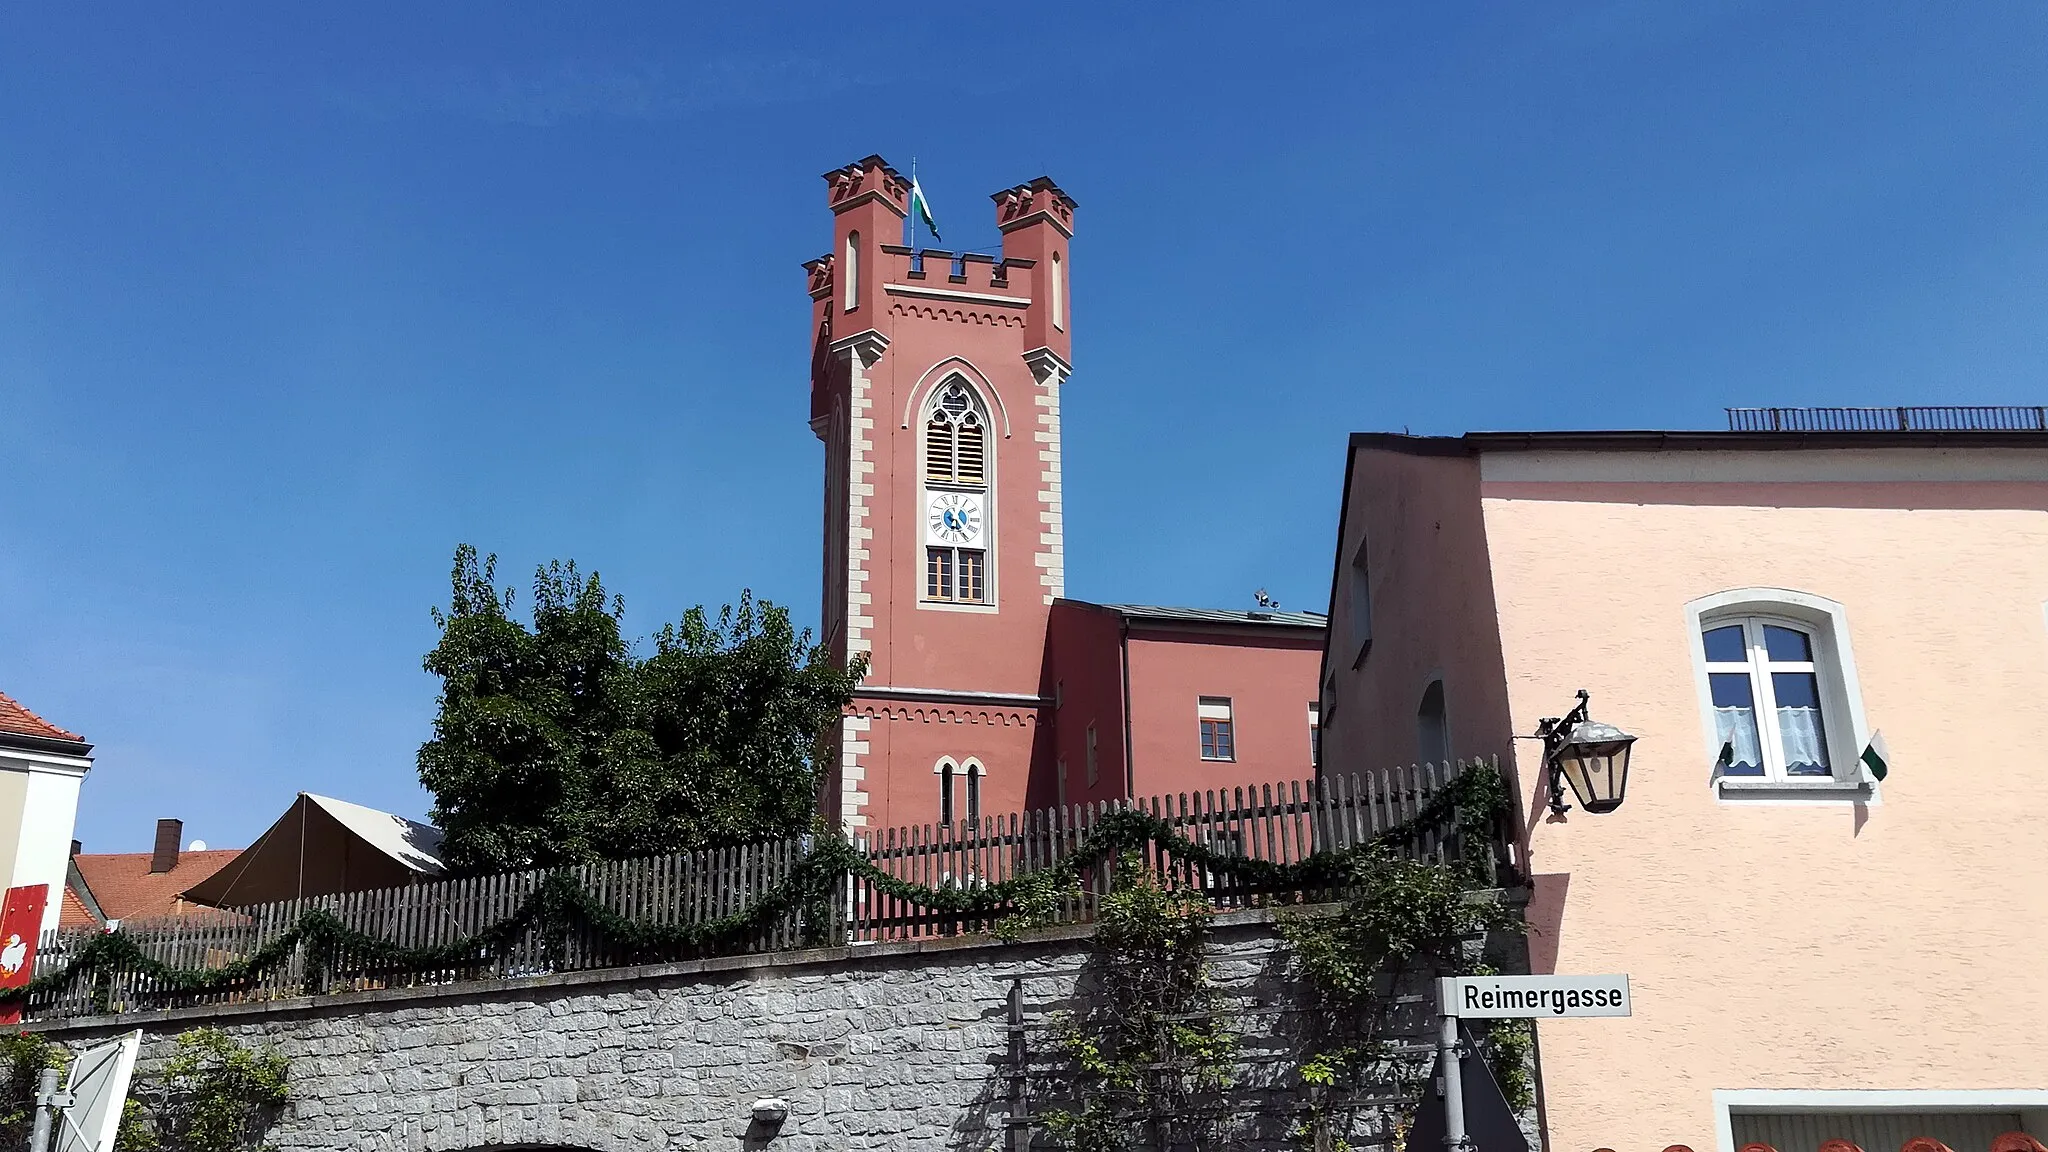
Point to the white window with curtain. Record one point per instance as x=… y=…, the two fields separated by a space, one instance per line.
x=1767 y=699
x=1778 y=686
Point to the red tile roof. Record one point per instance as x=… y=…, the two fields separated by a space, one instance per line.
x=127 y=889
x=22 y=722
x=75 y=914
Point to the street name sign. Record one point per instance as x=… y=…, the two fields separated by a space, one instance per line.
x=1532 y=997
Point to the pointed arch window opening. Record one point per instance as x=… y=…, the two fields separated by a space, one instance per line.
x=956 y=437
x=956 y=429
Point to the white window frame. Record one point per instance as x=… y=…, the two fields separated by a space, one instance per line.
x=2030 y=1103
x=1826 y=622
x=973 y=795
x=948 y=771
x=1216 y=710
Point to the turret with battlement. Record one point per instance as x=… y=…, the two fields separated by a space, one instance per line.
x=935 y=385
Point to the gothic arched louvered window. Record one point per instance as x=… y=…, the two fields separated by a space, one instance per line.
x=956 y=437
x=957 y=500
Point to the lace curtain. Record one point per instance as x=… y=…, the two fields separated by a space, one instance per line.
x=1806 y=749
x=1799 y=730
x=1737 y=726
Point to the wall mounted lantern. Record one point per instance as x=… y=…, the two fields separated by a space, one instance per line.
x=770 y=1112
x=1592 y=756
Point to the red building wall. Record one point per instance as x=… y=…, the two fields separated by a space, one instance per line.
x=1269 y=680
x=1086 y=681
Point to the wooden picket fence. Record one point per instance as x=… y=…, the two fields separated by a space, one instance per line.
x=1283 y=822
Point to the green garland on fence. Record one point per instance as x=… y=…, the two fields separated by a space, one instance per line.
x=1469 y=803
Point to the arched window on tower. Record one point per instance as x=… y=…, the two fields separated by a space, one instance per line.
x=956 y=480
x=956 y=437
x=851 y=273
x=1059 y=293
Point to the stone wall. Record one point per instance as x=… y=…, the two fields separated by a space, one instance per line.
x=889 y=1046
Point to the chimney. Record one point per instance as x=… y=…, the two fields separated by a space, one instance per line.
x=168 y=837
x=76 y=847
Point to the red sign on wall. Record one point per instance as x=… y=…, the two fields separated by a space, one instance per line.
x=20 y=926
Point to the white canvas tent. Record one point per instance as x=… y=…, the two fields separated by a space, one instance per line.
x=322 y=846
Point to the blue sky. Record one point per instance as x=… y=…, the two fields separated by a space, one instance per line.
x=292 y=301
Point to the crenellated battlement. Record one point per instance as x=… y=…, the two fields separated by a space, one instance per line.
x=865 y=180
x=1041 y=198
x=869 y=200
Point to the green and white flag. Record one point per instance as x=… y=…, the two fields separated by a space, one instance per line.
x=1876 y=757
x=922 y=207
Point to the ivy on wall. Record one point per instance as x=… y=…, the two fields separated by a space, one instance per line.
x=1401 y=923
x=1152 y=1042
x=211 y=1095
x=1149 y=1061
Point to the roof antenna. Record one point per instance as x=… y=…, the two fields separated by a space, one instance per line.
x=1266 y=602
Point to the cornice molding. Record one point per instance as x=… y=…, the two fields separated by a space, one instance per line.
x=1046 y=364
x=956 y=296
x=952 y=696
x=868 y=344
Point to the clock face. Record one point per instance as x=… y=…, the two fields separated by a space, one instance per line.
x=953 y=518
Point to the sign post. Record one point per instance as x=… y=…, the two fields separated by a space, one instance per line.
x=1510 y=998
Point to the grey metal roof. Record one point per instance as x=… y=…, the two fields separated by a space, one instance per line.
x=1220 y=615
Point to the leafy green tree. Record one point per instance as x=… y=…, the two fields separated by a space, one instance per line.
x=557 y=743
x=23 y=1056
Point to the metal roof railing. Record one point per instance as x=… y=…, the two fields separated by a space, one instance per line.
x=1949 y=418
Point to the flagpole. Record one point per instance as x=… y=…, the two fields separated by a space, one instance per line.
x=913 y=209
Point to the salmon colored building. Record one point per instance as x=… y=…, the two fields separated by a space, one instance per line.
x=1813 y=954
x=935 y=385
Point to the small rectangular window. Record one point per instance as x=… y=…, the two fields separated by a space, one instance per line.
x=1315 y=733
x=956 y=574
x=1219 y=742
x=970 y=576
x=1094 y=770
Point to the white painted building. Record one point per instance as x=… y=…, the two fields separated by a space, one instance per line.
x=41 y=767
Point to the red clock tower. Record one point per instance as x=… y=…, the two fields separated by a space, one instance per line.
x=935 y=385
